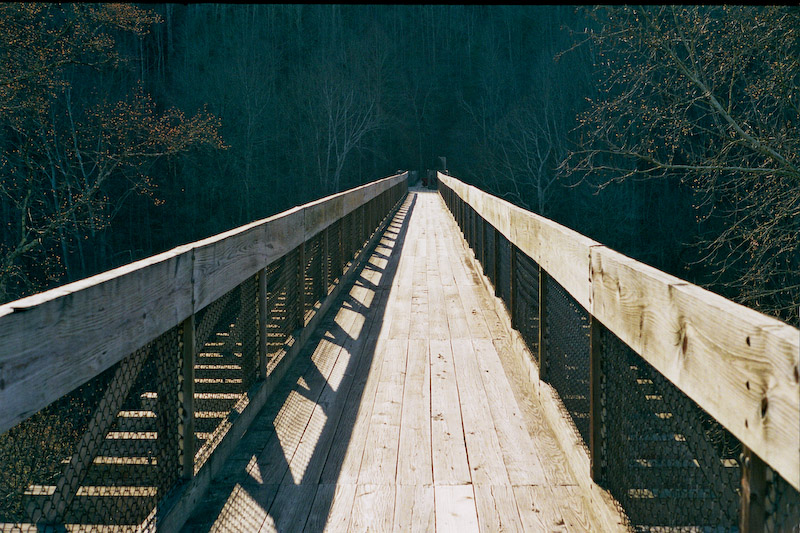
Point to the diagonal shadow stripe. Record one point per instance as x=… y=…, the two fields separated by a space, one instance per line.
x=258 y=487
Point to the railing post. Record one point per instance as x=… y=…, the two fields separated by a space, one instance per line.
x=542 y=323
x=301 y=285
x=262 y=323
x=596 y=418
x=364 y=224
x=496 y=262
x=752 y=511
x=483 y=246
x=326 y=263
x=187 y=398
x=512 y=285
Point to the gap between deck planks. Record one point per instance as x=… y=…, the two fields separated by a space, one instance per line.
x=401 y=416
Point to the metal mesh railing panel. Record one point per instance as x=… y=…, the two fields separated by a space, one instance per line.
x=663 y=458
x=281 y=305
x=566 y=353
x=225 y=365
x=314 y=284
x=782 y=505
x=103 y=455
x=526 y=301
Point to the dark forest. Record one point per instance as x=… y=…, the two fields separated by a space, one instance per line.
x=668 y=133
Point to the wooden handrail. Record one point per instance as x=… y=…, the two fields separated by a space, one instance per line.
x=55 y=341
x=739 y=365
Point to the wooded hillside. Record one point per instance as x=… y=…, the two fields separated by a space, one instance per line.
x=667 y=133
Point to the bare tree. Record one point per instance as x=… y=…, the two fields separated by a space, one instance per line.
x=709 y=95
x=68 y=160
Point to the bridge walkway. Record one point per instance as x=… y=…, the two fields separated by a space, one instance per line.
x=401 y=416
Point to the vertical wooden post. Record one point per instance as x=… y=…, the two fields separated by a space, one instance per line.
x=326 y=263
x=484 y=231
x=470 y=224
x=512 y=284
x=496 y=262
x=342 y=233
x=364 y=224
x=301 y=285
x=595 y=404
x=542 y=323
x=263 y=317
x=187 y=398
x=752 y=511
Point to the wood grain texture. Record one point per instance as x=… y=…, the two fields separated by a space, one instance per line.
x=373 y=508
x=450 y=466
x=455 y=508
x=480 y=434
x=413 y=509
x=57 y=340
x=414 y=463
x=739 y=365
x=379 y=462
x=497 y=508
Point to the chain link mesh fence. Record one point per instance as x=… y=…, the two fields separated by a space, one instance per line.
x=782 y=505
x=666 y=461
x=565 y=353
x=526 y=302
x=105 y=454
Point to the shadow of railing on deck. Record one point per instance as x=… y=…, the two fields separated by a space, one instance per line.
x=258 y=489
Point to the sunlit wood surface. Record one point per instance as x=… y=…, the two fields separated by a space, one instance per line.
x=403 y=417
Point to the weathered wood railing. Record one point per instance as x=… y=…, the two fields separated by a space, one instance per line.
x=686 y=406
x=121 y=395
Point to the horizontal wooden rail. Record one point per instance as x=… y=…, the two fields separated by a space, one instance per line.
x=55 y=341
x=739 y=365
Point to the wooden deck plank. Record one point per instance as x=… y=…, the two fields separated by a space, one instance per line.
x=450 y=466
x=290 y=509
x=413 y=509
x=379 y=462
x=420 y=308
x=332 y=507
x=455 y=508
x=483 y=449
x=414 y=463
x=556 y=471
x=538 y=509
x=519 y=449
x=311 y=453
x=344 y=458
x=373 y=508
x=497 y=508
x=456 y=318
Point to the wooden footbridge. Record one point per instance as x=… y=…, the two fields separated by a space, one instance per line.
x=395 y=359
